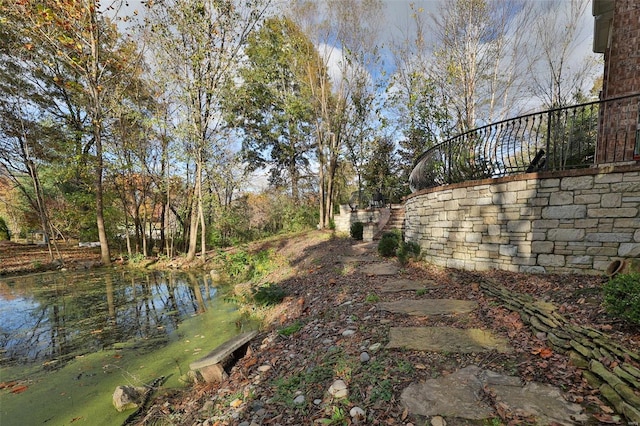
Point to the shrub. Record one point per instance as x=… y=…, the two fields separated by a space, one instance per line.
x=407 y=250
x=356 y=230
x=389 y=243
x=412 y=248
x=622 y=296
x=269 y=295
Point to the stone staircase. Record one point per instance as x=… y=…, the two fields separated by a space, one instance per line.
x=396 y=219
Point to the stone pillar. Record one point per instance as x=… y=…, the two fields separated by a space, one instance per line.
x=368 y=231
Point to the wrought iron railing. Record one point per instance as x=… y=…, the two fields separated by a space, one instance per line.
x=558 y=139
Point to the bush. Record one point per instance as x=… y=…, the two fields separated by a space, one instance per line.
x=622 y=297
x=356 y=230
x=269 y=295
x=408 y=250
x=389 y=243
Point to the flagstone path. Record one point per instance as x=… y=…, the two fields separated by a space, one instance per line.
x=426 y=307
x=396 y=285
x=465 y=393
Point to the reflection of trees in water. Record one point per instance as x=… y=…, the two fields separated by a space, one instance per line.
x=72 y=314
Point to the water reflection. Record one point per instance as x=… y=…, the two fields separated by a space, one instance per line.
x=54 y=317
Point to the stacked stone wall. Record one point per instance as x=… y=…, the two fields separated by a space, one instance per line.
x=346 y=218
x=562 y=222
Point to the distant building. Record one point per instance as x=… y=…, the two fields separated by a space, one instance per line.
x=617 y=35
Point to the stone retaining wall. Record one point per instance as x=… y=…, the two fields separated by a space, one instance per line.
x=347 y=217
x=556 y=222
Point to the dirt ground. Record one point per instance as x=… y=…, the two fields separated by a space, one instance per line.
x=327 y=297
x=18 y=258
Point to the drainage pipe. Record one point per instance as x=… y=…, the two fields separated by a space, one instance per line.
x=623 y=266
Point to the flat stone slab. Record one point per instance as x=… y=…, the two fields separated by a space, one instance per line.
x=426 y=307
x=446 y=339
x=358 y=259
x=223 y=351
x=460 y=395
x=363 y=248
x=457 y=395
x=403 y=284
x=380 y=268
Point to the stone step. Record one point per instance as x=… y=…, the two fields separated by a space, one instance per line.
x=380 y=268
x=460 y=395
x=446 y=339
x=426 y=307
x=395 y=285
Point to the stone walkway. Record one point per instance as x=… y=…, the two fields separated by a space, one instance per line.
x=465 y=393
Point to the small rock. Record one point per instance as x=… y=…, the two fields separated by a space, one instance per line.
x=327 y=342
x=299 y=400
x=317 y=401
x=236 y=403
x=357 y=414
x=348 y=333
x=264 y=368
x=438 y=421
x=375 y=347
x=208 y=406
x=244 y=424
x=364 y=357
x=127 y=397
x=338 y=389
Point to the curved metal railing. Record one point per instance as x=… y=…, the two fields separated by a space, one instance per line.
x=558 y=139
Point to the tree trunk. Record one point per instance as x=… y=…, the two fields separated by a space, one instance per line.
x=203 y=233
x=195 y=212
x=105 y=256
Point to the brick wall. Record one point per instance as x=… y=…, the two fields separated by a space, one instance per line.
x=620 y=120
x=622 y=58
x=574 y=221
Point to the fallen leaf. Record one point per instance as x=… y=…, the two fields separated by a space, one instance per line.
x=606 y=418
x=405 y=413
x=606 y=409
x=19 y=389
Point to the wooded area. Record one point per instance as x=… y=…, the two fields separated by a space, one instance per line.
x=148 y=130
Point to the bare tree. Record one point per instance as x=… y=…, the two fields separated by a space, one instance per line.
x=345 y=34
x=478 y=51
x=197 y=45
x=560 y=71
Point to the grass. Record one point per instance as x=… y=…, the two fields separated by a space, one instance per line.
x=372 y=298
x=290 y=330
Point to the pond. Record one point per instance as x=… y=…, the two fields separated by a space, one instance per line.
x=67 y=339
